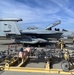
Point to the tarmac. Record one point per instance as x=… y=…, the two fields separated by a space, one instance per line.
x=4 y=46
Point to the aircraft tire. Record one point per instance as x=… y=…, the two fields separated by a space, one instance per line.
x=65 y=65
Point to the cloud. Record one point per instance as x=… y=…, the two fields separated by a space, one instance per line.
x=61 y=3
x=28 y=13
x=64 y=4
x=38 y=12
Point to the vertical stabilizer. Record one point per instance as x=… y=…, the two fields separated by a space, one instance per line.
x=9 y=26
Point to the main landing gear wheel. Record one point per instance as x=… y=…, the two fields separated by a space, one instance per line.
x=65 y=65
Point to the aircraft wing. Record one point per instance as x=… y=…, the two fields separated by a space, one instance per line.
x=30 y=40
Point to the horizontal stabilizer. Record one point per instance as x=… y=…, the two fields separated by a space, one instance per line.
x=10 y=19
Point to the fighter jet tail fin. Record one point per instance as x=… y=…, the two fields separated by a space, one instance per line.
x=9 y=26
x=53 y=25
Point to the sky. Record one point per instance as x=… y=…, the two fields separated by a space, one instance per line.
x=39 y=13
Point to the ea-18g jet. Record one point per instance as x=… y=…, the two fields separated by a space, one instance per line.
x=42 y=35
x=32 y=35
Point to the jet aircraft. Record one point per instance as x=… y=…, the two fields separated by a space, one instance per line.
x=36 y=35
x=10 y=29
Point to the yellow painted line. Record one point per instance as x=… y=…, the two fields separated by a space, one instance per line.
x=38 y=70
